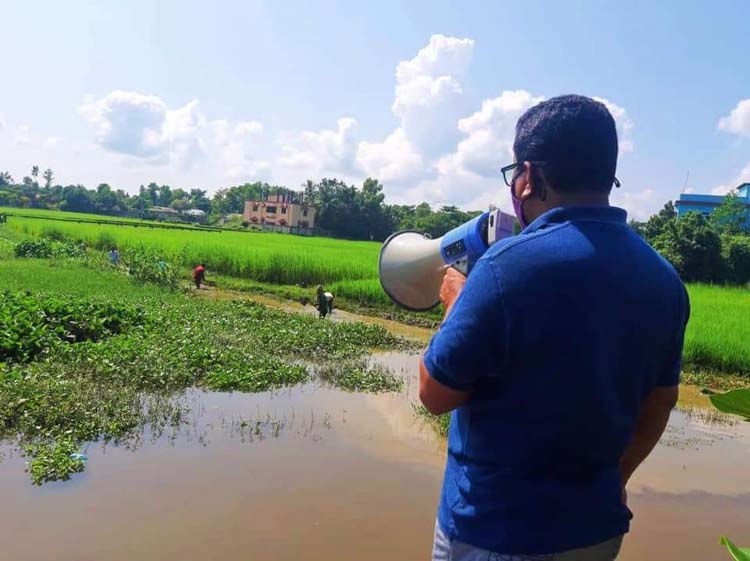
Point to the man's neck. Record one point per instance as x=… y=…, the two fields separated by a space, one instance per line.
x=577 y=199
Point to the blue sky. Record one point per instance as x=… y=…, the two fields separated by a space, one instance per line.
x=422 y=95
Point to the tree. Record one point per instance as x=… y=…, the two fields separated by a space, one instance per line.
x=199 y=200
x=693 y=247
x=165 y=195
x=655 y=225
x=5 y=178
x=731 y=217
x=76 y=198
x=735 y=250
x=34 y=171
x=48 y=175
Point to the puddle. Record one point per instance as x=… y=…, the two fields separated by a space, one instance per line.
x=316 y=473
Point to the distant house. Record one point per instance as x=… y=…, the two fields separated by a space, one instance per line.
x=194 y=215
x=706 y=204
x=164 y=213
x=278 y=212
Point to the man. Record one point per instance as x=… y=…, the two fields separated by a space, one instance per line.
x=114 y=257
x=560 y=356
x=199 y=275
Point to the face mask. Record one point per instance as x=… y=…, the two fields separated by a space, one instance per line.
x=518 y=209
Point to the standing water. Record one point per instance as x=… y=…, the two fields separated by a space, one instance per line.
x=317 y=473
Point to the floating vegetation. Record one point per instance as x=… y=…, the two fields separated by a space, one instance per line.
x=361 y=376
x=80 y=368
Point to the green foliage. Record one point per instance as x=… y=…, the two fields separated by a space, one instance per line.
x=53 y=461
x=46 y=248
x=275 y=258
x=258 y=375
x=441 y=423
x=423 y=219
x=84 y=388
x=731 y=216
x=736 y=256
x=737 y=553
x=32 y=324
x=361 y=376
x=718 y=331
x=735 y=402
x=693 y=247
x=145 y=265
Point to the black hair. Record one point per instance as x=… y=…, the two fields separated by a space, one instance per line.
x=576 y=137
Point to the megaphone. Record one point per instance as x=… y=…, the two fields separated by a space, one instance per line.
x=411 y=264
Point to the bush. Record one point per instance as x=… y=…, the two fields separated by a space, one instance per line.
x=736 y=255
x=146 y=266
x=104 y=240
x=33 y=324
x=46 y=248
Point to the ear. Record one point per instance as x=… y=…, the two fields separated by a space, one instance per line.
x=525 y=183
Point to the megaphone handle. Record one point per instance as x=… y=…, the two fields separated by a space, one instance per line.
x=462 y=266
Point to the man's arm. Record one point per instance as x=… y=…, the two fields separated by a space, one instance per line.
x=436 y=397
x=652 y=420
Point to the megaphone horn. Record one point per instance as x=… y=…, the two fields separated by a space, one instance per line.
x=411 y=270
x=411 y=265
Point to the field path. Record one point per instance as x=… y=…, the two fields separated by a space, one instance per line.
x=410 y=332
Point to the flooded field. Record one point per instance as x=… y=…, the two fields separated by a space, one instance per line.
x=318 y=473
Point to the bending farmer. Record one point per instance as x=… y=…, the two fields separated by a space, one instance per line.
x=199 y=275
x=559 y=356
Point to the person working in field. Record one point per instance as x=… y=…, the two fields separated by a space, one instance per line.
x=114 y=256
x=323 y=302
x=559 y=356
x=199 y=275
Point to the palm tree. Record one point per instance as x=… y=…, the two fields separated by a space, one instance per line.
x=34 y=171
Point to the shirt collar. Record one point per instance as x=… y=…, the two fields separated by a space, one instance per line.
x=558 y=215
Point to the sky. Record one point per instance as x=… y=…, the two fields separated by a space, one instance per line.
x=422 y=95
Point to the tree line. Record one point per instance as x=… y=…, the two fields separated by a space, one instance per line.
x=702 y=249
x=713 y=249
x=344 y=210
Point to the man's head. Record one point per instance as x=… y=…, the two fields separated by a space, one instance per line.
x=568 y=147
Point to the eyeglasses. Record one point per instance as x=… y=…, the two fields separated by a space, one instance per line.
x=510 y=175
x=509 y=171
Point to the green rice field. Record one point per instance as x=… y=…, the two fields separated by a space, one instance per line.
x=260 y=256
x=717 y=340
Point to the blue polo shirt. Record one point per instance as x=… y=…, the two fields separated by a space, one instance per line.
x=561 y=333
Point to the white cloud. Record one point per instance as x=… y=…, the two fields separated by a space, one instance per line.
x=428 y=103
x=144 y=128
x=327 y=150
x=738 y=121
x=3 y=125
x=394 y=159
x=23 y=135
x=742 y=177
x=51 y=141
x=640 y=204
x=623 y=123
x=490 y=132
x=238 y=150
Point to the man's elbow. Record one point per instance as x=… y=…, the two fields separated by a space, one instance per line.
x=430 y=404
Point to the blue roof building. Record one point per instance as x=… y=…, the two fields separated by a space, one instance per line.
x=706 y=204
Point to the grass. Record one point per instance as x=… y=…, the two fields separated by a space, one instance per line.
x=361 y=376
x=718 y=334
x=717 y=339
x=260 y=256
x=75 y=390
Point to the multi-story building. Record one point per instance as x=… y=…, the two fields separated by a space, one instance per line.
x=706 y=204
x=280 y=211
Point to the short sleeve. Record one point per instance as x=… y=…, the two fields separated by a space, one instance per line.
x=670 y=376
x=470 y=344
